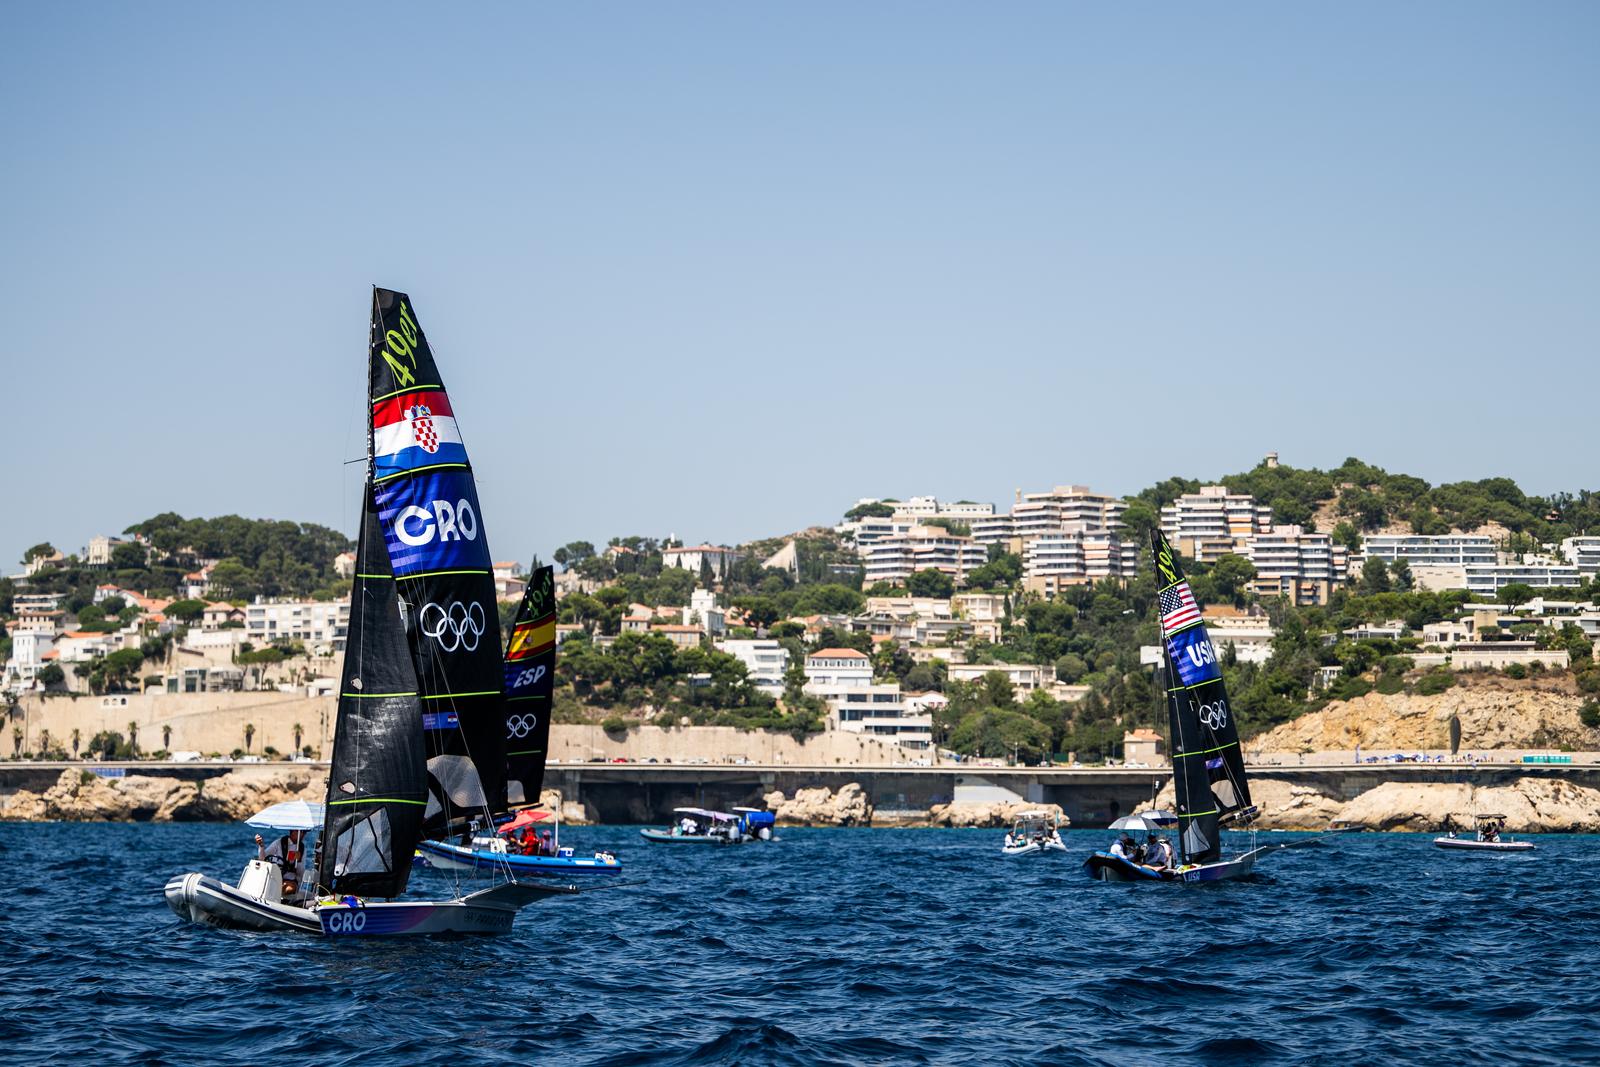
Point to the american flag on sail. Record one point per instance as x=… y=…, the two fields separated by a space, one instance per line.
x=1178 y=609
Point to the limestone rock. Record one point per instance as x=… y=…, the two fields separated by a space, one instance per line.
x=1494 y=712
x=1530 y=805
x=850 y=806
x=1284 y=805
x=571 y=813
x=997 y=814
x=79 y=796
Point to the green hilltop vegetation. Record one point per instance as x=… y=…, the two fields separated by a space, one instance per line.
x=254 y=556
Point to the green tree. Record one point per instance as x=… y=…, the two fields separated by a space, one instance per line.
x=874 y=510
x=185 y=611
x=931 y=583
x=1231 y=576
x=51 y=675
x=1374 y=576
x=1514 y=593
x=42 y=550
x=1400 y=571
x=573 y=553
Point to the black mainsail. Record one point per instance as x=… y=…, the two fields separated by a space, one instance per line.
x=433 y=530
x=377 y=787
x=1207 y=763
x=530 y=681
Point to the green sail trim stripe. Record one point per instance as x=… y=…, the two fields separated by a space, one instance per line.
x=1197 y=685
x=1205 y=752
x=431 y=574
x=1169 y=585
x=371 y=576
x=379 y=800
x=402 y=392
x=529 y=696
x=376 y=696
x=1197 y=814
x=447 y=696
x=417 y=470
x=529 y=752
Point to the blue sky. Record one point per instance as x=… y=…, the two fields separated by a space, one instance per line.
x=720 y=269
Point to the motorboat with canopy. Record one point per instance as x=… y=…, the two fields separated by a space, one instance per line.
x=419 y=737
x=1487 y=837
x=1208 y=773
x=701 y=826
x=510 y=840
x=1034 y=833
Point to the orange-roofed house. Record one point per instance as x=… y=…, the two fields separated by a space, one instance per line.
x=838 y=668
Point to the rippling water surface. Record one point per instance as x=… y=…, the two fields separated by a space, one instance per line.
x=829 y=946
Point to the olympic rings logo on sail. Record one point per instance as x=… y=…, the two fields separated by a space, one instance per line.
x=458 y=626
x=1214 y=716
x=520 y=726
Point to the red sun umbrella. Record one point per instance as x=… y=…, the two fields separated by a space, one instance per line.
x=526 y=817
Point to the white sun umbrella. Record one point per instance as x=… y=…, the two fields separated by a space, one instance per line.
x=1146 y=820
x=290 y=815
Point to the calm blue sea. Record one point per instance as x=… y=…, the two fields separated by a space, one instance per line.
x=830 y=946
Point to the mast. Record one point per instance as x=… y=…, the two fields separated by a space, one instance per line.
x=530 y=681
x=433 y=530
x=1207 y=763
x=377 y=788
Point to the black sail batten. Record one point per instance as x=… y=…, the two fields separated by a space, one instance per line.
x=434 y=534
x=530 y=682
x=1207 y=761
x=377 y=789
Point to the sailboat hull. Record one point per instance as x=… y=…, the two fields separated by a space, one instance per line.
x=450 y=857
x=1104 y=867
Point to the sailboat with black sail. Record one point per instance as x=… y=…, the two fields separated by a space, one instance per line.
x=1208 y=772
x=418 y=736
x=526 y=837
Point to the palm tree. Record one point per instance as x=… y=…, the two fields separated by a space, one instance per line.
x=166 y=736
x=76 y=736
x=249 y=733
x=44 y=744
x=298 y=729
x=133 y=739
x=16 y=741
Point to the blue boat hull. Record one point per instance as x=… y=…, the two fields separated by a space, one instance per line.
x=455 y=857
x=1104 y=867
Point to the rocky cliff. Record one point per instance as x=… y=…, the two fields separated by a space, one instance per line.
x=1494 y=712
x=1001 y=813
x=850 y=806
x=79 y=796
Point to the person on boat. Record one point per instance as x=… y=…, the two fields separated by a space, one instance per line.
x=288 y=854
x=1157 y=853
x=1123 y=847
x=686 y=826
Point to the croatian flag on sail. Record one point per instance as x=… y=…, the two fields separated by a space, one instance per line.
x=1178 y=609
x=414 y=430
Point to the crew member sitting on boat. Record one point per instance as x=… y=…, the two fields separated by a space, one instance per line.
x=1157 y=852
x=1124 y=849
x=686 y=826
x=289 y=855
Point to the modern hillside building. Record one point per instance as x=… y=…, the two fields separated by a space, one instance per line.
x=1214 y=522
x=1040 y=514
x=1441 y=550
x=1301 y=567
x=1076 y=555
x=922 y=548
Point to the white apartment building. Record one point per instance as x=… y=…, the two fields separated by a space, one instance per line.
x=1036 y=514
x=1078 y=555
x=923 y=548
x=31 y=646
x=1441 y=550
x=765 y=662
x=870 y=531
x=880 y=710
x=1583 y=553
x=1302 y=567
x=1486 y=579
x=1249 y=635
x=704 y=613
x=838 y=668
x=691 y=558
x=909 y=607
x=978 y=607
x=1213 y=521
x=927 y=507
x=1025 y=677
x=315 y=623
